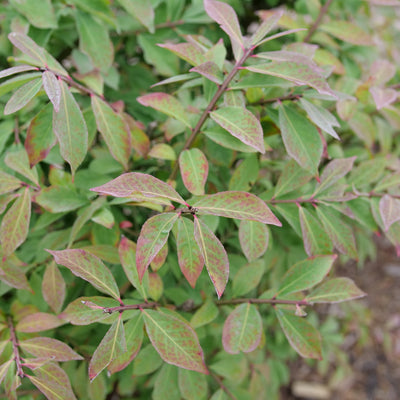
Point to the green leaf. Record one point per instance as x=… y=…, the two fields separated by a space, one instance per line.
x=175 y=341
x=38 y=322
x=242 y=329
x=153 y=236
x=192 y=385
x=253 y=237
x=302 y=336
x=242 y=124
x=56 y=199
x=8 y=183
x=156 y=286
x=147 y=361
x=316 y=241
x=15 y=224
x=305 y=274
x=166 y=384
x=190 y=258
x=41 y=15
x=112 y=346
x=18 y=161
x=389 y=208
x=189 y=52
x=301 y=138
x=53 y=287
x=143 y=11
x=52 y=87
x=162 y=151
x=247 y=278
x=205 y=314
x=239 y=205
x=4 y=368
x=267 y=25
x=22 y=96
x=70 y=128
x=347 y=32
x=245 y=174
x=335 y=291
x=88 y=267
x=193 y=165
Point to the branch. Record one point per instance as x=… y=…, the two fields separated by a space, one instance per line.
x=272 y=301
x=317 y=22
x=110 y=310
x=15 y=345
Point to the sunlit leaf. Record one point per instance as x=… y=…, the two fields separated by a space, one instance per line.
x=53 y=287
x=194 y=170
x=253 y=237
x=22 y=96
x=39 y=322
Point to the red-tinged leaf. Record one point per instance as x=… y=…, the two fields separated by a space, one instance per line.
x=8 y=183
x=153 y=236
x=70 y=129
x=142 y=11
x=226 y=17
x=53 y=287
x=267 y=25
x=383 y=97
x=190 y=260
x=88 y=267
x=114 y=131
x=194 y=170
x=156 y=286
x=162 y=151
x=340 y=233
x=192 y=385
x=166 y=104
x=18 y=161
x=242 y=329
x=159 y=259
x=253 y=238
x=134 y=338
x=22 y=96
x=302 y=336
x=40 y=138
x=166 y=384
x=38 y=322
x=348 y=32
x=12 y=274
x=214 y=255
x=239 y=205
x=210 y=70
x=16 y=70
x=4 y=368
x=112 y=346
x=35 y=363
x=381 y=72
x=334 y=171
x=5 y=200
x=86 y=310
x=300 y=74
x=389 y=208
x=187 y=51
x=335 y=291
x=15 y=224
x=242 y=124
x=316 y=241
x=248 y=277
x=127 y=255
x=301 y=138
x=47 y=347
x=127 y=185
x=175 y=341
x=53 y=89
x=140 y=141
x=305 y=274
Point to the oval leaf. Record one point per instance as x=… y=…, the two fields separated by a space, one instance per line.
x=194 y=170
x=22 y=96
x=389 y=208
x=53 y=287
x=38 y=322
x=253 y=238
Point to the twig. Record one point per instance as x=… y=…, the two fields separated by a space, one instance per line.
x=274 y=99
x=222 y=386
x=263 y=301
x=15 y=345
x=110 y=310
x=317 y=22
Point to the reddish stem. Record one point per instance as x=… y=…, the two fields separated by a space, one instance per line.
x=15 y=346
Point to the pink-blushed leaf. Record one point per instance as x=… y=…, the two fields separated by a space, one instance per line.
x=190 y=260
x=16 y=70
x=18 y=161
x=12 y=274
x=70 y=129
x=86 y=310
x=335 y=291
x=239 y=205
x=226 y=17
x=5 y=200
x=153 y=236
x=301 y=138
x=166 y=104
x=316 y=241
x=210 y=70
x=53 y=287
x=4 y=368
x=8 y=183
x=253 y=238
x=15 y=224
x=194 y=170
x=302 y=336
x=247 y=278
x=242 y=329
x=389 y=208
x=22 y=96
x=187 y=51
x=127 y=255
x=35 y=363
x=112 y=346
x=40 y=138
x=214 y=255
x=156 y=286
x=39 y=322
x=242 y=124
x=52 y=87
x=348 y=32
x=267 y=25
x=143 y=11
x=134 y=337
x=88 y=267
x=383 y=97
x=192 y=385
x=47 y=347
x=140 y=141
x=175 y=341
x=305 y=274
x=291 y=56
x=114 y=131
x=381 y=72
x=129 y=184
x=162 y=151
x=159 y=259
